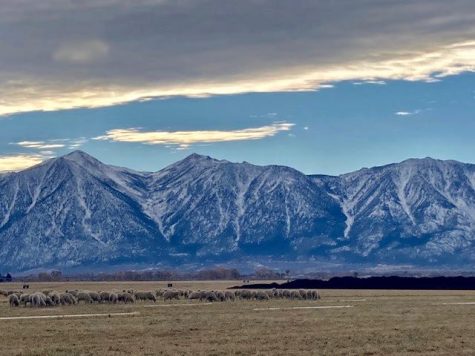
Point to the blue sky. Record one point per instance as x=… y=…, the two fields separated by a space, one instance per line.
x=323 y=86
x=336 y=130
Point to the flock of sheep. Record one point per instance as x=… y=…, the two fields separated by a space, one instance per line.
x=50 y=298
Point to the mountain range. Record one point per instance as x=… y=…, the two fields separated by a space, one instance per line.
x=74 y=211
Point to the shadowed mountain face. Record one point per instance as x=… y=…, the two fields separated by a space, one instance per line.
x=76 y=211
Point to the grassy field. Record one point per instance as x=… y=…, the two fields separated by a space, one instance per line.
x=375 y=323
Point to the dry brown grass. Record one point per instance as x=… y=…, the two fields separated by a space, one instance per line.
x=379 y=323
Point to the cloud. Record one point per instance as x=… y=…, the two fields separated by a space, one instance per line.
x=76 y=143
x=184 y=139
x=107 y=52
x=41 y=145
x=70 y=143
x=39 y=151
x=375 y=82
x=9 y=163
x=407 y=113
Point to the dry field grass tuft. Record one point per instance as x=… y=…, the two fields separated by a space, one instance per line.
x=377 y=323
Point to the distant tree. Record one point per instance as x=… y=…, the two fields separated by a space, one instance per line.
x=8 y=278
x=218 y=273
x=56 y=275
x=266 y=273
x=44 y=277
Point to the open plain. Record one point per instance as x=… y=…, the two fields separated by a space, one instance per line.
x=362 y=322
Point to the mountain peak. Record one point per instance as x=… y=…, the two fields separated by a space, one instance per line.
x=78 y=154
x=197 y=157
x=81 y=157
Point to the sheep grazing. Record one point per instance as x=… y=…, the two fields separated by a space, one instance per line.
x=113 y=298
x=229 y=296
x=243 y=294
x=95 y=297
x=49 y=302
x=126 y=298
x=49 y=298
x=211 y=297
x=145 y=296
x=25 y=299
x=74 y=293
x=38 y=300
x=67 y=299
x=55 y=297
x=220 y=295
x=13 y=300
x=105 y=296
x=83 y=296
x=295 y=295
x=195 y=295
x=171 y=294
x=261 y=295
x=270 y=293
x=4 y=293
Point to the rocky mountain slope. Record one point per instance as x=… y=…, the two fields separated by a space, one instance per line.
x=76 y=211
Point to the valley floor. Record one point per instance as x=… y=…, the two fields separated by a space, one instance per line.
x=366 y=323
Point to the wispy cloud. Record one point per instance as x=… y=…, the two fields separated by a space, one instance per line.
x=374 y=82
x=407 y=113
x=41 y=145
x=146 y=53
x=9 y=163
x=70 y=143
x=184 y=139
x=76 y=143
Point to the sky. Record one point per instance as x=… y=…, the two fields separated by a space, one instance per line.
x=326 y=87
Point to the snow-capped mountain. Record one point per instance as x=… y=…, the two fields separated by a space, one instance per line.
x=416 y=210
x=76 y=211
x=73 y=210
x=221 y=207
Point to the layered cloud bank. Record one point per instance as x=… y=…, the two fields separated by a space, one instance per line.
x=91 y=54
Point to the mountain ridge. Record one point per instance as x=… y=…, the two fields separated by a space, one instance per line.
x=77 y=211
